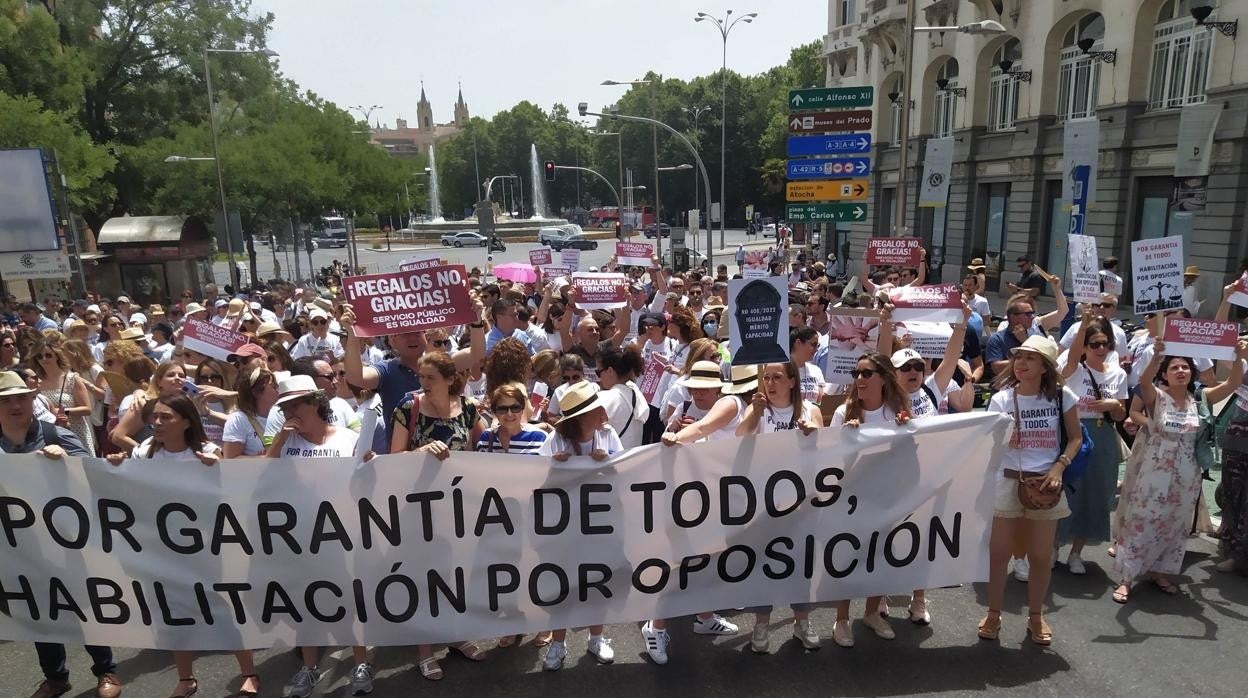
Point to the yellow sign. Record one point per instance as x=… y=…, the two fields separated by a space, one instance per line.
x=839 y=190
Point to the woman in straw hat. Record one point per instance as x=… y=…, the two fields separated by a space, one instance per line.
x=1043 y=409
x=1162 y=485
x=581 y=431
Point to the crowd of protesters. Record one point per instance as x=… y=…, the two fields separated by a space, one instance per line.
x=535 y=374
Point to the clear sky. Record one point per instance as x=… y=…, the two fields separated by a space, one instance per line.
x=366 y=52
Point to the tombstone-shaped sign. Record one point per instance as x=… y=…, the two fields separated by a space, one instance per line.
x=760 y=330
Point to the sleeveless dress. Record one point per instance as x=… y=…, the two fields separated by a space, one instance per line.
x=455 y=432
x=1159 y=493
x=61 y=395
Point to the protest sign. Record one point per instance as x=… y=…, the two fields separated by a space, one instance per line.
x=1200 y=339
x=540 y=257
x=414 y=262
x=570 y=257
x=552 y=271
x=756 y=265
x=600 y=291
x=927 y=338
x=938 y=303
x=894 y=252
x=652 y=376
x=1240 y=296
x=407 y=549
x=1085 y=276
x=852 y=332
x=211 y=340
x=428 y=295
x=634 y=254
x=759 y=333
x=1157 y=274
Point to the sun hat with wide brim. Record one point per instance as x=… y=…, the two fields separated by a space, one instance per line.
x=579 y=399
x=131 y=333
x=12 y=384
x=295 y=387
x=977 y=263
x=1192 y=271
x=271 y=328
x=744 y=379
x=192 y=308
x=1043 y=346
x=704 y=374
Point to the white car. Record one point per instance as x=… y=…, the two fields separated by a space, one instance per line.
x=466 y=238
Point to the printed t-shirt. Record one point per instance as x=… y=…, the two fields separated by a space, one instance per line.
x=1039 y=431
x=341 y=444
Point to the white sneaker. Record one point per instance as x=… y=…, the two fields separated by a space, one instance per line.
x=759 y=639
x=555 y=654
x=1022 y=569
x=843 y=633
x=361 y=680
x=656 y=643
x=715 y=625
x=1075 y=563
x=600 y=647
x=806 y=634
x=880 y=625
x=304 y=682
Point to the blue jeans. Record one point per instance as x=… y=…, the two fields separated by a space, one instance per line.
x=52 y=660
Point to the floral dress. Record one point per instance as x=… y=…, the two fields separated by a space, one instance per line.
x=455 y=432
x=1160 y=492
x=61 y=396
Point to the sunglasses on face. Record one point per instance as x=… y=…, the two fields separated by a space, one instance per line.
x=912 y=367
x=212 y=378
x=440 y=342
x=327 y=376
x=862 y=373
x=1022 y=313
x=1098 y=345
x=1106 y=305
x=320 y=321
x=572 y=378
x=504 y=409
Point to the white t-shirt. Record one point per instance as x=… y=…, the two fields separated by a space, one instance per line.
x=310 y=345
x=883 y=416
x=340 y=415
x=776 y=419
x=979 y=304
x=620 y=401
x=1039 y=434
x=921 y=404
x=476 y=390
x=1144 y=354
x=812 y=381
x=1113 y=384
x=142 y=449
x=604 y=439
x=371 y=355
x=341 y=444
x=238 y=430
x=1110 y=282
x=552 y=407
x=1120 y=337
x=729 y=430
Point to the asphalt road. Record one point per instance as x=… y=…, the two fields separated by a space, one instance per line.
x=1157 y=645
x=377 y=261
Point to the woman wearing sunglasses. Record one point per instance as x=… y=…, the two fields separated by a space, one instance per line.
x=1101 y=386
x=571 y=372
x=110 y=331
x=243 y=434
x=1042 y=407
x=65 y=391
x=8 y=350
x=212 y=397
x=778 y=406
x=510 y=405
x=877 y=398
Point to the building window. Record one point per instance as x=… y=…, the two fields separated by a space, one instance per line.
x=1079 y=77
x=894 y=124
x=1002 y=89
x=1181 y=56
x=946 y=102
x=845 y=12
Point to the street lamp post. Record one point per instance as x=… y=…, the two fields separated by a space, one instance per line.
x=697 y=111
x=658 y=228
x=212 y=119
x=654 y=115
x=724 y=27
x=583 y=108
x=984 y=27
x=597 y=174
x=619 y=144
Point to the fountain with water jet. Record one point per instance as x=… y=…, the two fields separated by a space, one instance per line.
x=539 y=185
x=435 y=202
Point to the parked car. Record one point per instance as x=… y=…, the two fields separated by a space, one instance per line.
x=471 y=238
x=571 y=229
x=545 y=236
x=579 y=242
x=649 y=230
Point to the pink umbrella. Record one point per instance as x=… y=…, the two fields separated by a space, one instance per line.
x=515 y=271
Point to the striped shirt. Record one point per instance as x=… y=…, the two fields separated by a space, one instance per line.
x=527 y=442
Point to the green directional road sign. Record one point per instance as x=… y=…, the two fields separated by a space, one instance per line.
x=825 y=212
x=832 y=97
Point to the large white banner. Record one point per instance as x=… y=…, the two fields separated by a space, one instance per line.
x=406 y=549
x=934 y=189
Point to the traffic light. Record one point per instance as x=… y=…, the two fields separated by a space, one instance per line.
x=550 y=170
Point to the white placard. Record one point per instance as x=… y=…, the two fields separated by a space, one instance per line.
x=1157 y=274
x=570 y=257
x=1085 y=277
x=937 y=165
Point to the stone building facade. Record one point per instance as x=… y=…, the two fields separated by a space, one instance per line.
x=414 y=141
x=1005 y=197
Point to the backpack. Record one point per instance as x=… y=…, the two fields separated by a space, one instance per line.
x=1078 y=464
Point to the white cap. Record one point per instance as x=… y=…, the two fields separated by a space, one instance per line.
x=317 y=312
x=901 y=357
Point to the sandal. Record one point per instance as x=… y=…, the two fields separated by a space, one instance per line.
x=990 y=626
x=193 y=686
x=509 y=640
x=543 y=638
x=1123 y=593
x=430 y=669
x=469 y=650
x=1038 y=630
x=1166 y=585
x=249 y=694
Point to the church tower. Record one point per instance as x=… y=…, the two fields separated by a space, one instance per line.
x=461 y=109
x=424 y=111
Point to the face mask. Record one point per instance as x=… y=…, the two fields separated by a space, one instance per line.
x=711 y=329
